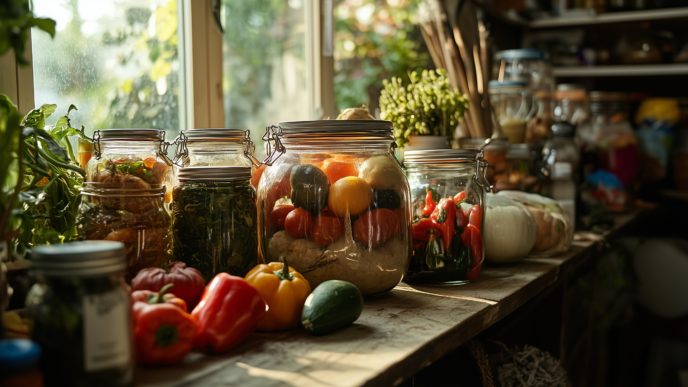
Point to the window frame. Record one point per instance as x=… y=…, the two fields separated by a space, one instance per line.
x=201 y=94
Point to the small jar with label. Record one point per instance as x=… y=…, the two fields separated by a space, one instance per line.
x=81 y=314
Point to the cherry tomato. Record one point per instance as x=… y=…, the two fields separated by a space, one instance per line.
x=471 y=237
x=326 y=229
x=298 y=223
x=462 y=217
x=279 y=213
x=460 y=196
x=476 y=216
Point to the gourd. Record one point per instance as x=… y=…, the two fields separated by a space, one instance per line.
x=509 y=230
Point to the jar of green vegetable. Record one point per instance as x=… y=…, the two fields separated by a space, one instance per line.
x=448 y=188
x=214 y=220
x=80 y=312
x=214 y=147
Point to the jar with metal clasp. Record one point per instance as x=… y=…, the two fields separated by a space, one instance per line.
x=215 y=148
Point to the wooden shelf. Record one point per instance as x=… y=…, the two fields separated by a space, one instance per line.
x=621 y=70
x=612 y=17
x=397 y=335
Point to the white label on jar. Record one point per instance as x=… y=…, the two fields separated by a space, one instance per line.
x=107 y=342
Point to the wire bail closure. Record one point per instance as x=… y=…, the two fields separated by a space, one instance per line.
x=274 y=152
x=161 y=152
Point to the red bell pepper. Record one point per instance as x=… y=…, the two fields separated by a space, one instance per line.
x=163 y=333
x=227 y=314
x=444 y=217
x=424 y=229
x=460 y=196
x=429 y=204
x=161 y=297
x=476 y=216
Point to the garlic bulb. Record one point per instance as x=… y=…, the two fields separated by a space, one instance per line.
x=361 y=113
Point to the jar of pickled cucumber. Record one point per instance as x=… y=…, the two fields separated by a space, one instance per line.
x=335 y=202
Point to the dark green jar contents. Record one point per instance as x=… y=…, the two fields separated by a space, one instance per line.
x=58 y=306
x=214 y=227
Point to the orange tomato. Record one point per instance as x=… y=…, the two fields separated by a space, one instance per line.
x=257 y=173
x=336 y=169
x=149 y=162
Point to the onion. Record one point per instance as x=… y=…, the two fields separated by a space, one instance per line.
x=509 y=230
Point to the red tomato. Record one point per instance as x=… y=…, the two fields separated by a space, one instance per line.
x=471 y=237
x=298 y=223
x=279 y=213
x=461 y=217
x=326 y=229
x=459 y=196
x=476 y=216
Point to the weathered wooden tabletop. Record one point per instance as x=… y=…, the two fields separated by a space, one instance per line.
x=397 y=335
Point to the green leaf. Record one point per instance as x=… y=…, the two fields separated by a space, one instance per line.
x=45 y=24
x=35 y=119
x=71 y=107
x=48 y=109
x=53 y=146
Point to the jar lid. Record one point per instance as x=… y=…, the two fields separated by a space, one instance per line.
x=498 y=84
x=563 y=129
x=18 y=353
x=608 y=96
x=130 y=135
x=229 y=173
x=439 y=156
x=522 y=151
x=337 y=128
x=522 y=53
x=84 y=258
x=215 y=134
x=501 y=143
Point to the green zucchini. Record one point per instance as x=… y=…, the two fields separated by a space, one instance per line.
x=332 y=305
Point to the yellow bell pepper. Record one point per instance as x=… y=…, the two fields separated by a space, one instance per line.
x=283 y=290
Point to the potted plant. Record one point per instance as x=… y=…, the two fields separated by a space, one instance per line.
x=425 y=112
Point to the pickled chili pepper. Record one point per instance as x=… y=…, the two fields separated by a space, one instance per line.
x=430 y=204
x=424 y=229
x=444 y=216
x=471 y=238
x=460 y=196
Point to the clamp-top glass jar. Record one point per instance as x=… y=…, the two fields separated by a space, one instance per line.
x=335 y=202
x=214 y=215
x=448 y=188
x=214 y=147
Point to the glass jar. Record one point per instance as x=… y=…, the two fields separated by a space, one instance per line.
x=214 y=147
x=136 y=157
x=335 y=202
x=615 y=142
x=571 y=104
x=523 y=171
x=540 y=119
x=511 y=108
x=80 y=314
x=494 y=154
x=447 y=232
x=561 y=149
x=214 y=216
x=123 y=212
x=524 y=65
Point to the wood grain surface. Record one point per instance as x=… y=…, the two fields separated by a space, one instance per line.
x=397 y=335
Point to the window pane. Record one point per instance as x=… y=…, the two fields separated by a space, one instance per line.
x=116 y=60
x=265 y=67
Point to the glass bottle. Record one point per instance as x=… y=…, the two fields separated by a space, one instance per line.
x=511 y=107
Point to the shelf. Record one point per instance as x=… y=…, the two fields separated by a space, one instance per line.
x=612 y=17
x=621 y=70
x=397 y=335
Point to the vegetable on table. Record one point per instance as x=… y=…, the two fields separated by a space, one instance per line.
x=161 y=297
x=376 y=227
x=227 y=314
x=444 y=216
x=333 y=305
x=361 y=113
x=188 y=282
x=509 y=230
x=349 y=195
x=163 y=333
x=283 y=290
x=298 y=223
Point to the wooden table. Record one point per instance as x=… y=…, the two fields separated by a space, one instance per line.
x=397 y=335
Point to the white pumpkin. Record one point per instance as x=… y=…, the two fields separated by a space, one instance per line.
x=509 y=230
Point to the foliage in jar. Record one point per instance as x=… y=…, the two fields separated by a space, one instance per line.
x=426 y=106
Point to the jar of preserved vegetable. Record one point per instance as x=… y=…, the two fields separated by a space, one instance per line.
x=214 y=147
x=448 y=188
x=127 y=213
x=511 y=107
x=335 y=202
x=214 y=220
x=494 y=154
x=136 y=157
x=523 y=171
x=524 y=65
x=80 y=311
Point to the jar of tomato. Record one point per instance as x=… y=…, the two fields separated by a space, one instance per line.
x=335 y=202
x=448 y=188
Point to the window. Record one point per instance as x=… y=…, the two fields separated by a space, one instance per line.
x=116 y=60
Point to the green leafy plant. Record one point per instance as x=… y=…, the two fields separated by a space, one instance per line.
x=16 y=20
x=50 y=180
x=10 y=133
x=426 y=106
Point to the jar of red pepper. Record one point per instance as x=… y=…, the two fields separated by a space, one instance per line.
x=448 y=188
